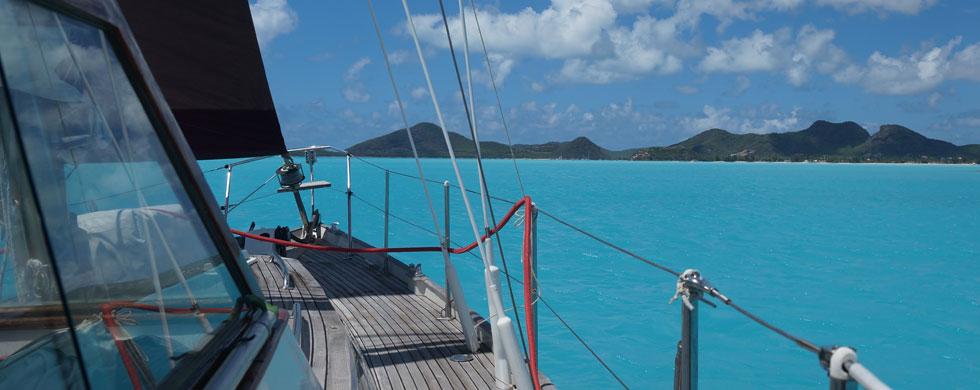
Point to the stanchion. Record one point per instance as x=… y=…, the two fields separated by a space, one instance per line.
x=227 y=191
x=350 y=234
x=447 y=312
x=385 y=270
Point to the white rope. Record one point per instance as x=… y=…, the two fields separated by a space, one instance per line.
x=451 y=276
x=682 y=290
x=411 y=139
x=500 y=107
x=472 y=117
x=445 y=133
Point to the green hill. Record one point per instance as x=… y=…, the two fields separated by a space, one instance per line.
x=973 y=150
x=846 y=141
x=822 y=141
x=898 y=141
x=430 y=142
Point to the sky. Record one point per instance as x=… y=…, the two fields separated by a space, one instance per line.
x=625 y=73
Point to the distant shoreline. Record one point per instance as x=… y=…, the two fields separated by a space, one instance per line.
x=692 y=161
x=845 y=142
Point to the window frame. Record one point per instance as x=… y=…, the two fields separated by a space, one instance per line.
x=192 y=371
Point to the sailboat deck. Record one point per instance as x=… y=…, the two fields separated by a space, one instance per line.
x=395 y=332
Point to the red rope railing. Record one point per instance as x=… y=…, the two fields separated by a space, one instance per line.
x=500 y=225
x=110 y=321
x=525 y=202
x=532 y=358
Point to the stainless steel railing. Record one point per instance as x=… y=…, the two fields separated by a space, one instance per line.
x=841 y=363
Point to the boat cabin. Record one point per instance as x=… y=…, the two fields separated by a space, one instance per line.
x=116 y=270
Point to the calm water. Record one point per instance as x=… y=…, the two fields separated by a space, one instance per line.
x=881 y=257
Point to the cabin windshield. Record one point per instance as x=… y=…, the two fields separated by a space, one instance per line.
x=92 y=215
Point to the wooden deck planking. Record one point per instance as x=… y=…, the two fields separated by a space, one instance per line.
x=365 y=327
x=398 y=334
x=441 y=334
x=314 y=343
x=443 y=369
x=397 y=342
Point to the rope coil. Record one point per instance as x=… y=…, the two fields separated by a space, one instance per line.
x=683 y=290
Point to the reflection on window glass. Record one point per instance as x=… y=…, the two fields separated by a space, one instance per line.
x=144 y=284
x=36 y=349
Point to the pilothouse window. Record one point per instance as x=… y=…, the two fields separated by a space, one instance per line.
x=145 y=286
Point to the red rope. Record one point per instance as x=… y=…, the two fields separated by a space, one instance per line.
x=464 y=249
x=110 y=323
x=529 y=319
x=525 y=202
x=333 y=248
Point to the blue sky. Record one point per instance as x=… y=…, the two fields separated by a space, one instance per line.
x=628 y=73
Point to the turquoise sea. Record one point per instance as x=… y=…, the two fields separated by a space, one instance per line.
x=885 y=258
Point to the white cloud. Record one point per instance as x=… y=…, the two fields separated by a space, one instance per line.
x=399 y=57
x=687 y=89
x=355 y=91
x=632 y=6
x=649 y=47
x=757 y=52
x=601 y=41
x=565 y=29
x=537 y=87
x=586 y=35
x=966 y=63
x=420 y=93
x=348 y=113
x=356 y=95
x=325 y=56
x=914 y=73
x=910 y=7
x=626 y=124
x=811 y=50
x=393 y=107
x=271 y=19
x=502 y=66
x=354 y=71
x=713 y=119
x=776 y=122
x=960 y=129
x=742 y=83
x=964 y=119
x=934 y=99
x=766 y=118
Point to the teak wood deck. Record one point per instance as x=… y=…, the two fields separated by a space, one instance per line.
x=362 y=328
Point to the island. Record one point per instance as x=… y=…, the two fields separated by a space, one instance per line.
x=823 y=141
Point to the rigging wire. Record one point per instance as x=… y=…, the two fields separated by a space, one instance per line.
x=408 y=130
x=583 y=343
x=609 y=244
x=514 y=308
x=381 y=210
x=484 y=190
x=799 y=341
x=234 y=206
x=500 y=107
x=445 y=133
x=805 y=344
